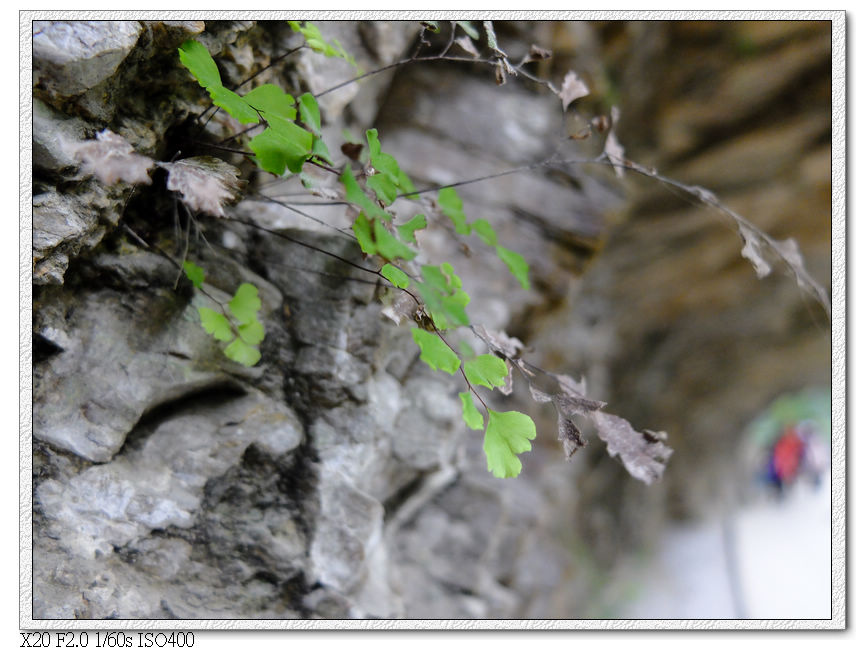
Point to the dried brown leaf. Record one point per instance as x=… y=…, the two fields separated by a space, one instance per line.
x=613 y=149
x=538 y=53
x=205 y=183
x=753 y=251
x=644 y=455
x=500 y=342
x=572 y=89
x=570 y=437
x=111 y=158
x=466 y=43
x=401 y=309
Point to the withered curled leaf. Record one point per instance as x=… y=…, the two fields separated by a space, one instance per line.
x=572 y=89
x=205 y=183
x=111 y=158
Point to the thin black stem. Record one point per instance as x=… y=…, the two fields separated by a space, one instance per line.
x=239 y=133
x=287 y=206
x=185 y=250
x=462 y=371
x=272 y=63
x=299 y=242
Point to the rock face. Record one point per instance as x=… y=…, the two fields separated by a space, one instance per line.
x=336 y=478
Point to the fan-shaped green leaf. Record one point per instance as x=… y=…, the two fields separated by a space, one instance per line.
x=485 y=231
x=516 y=263
x=435 y=352
x=242 y=353
x=269 y=98
x=507 y=435
x=216 y=324
x=245 y=303
x=195 y=57
x=486 y=370
x=309 y=112
x=452 y=205
x=252 y=333
x=395 y=276
x=233 y=104
x=194 y=272
x=471 y=414
x=389 y=247
x=407 y=230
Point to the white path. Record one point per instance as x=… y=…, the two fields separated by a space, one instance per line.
x=784 y=557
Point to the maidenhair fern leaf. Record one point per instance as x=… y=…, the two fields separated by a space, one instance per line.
x=408 y=229
x=507 y=435
x=315 y=41
x=194 y=272
x=242 y=353
x=233 y=104
x=245 y=304
x=198 y=61
x=271 y=99
x=309 y=112
x=275 y=151
x=486 y=370
x=252 y=332
x=435 y=352
x=395 y=276
x=452 y=206
x=215 y=324
x=471 y=414
x=485 y=231
x=516 y=264
x=354 y=194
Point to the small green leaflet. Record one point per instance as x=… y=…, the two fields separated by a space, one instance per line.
x=396 y=277
x=507 y=435
x=309 y=112
x=387 y=164
x=485 y=231
x=384 y=189
x=246 y=303
x=486 y=370
x=271 y=99
x=216 y=324
x=316 y=42
x=389 y=247
x=435 y=352
x=469 y=29
x=363 y=231
x=471 y=414
x=374 y=239
x=407 y=230
x=195 y=57
x=283 y=144
x=252 y=332
x=233 y=104
x=243 y=353
x=354 y=194
x=276 y=151
x=442 y=294
x=320 y=150
x=194 y=272
x=452 y=205
x=516 y=263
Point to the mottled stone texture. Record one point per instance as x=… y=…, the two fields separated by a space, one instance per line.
x=336 y=478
